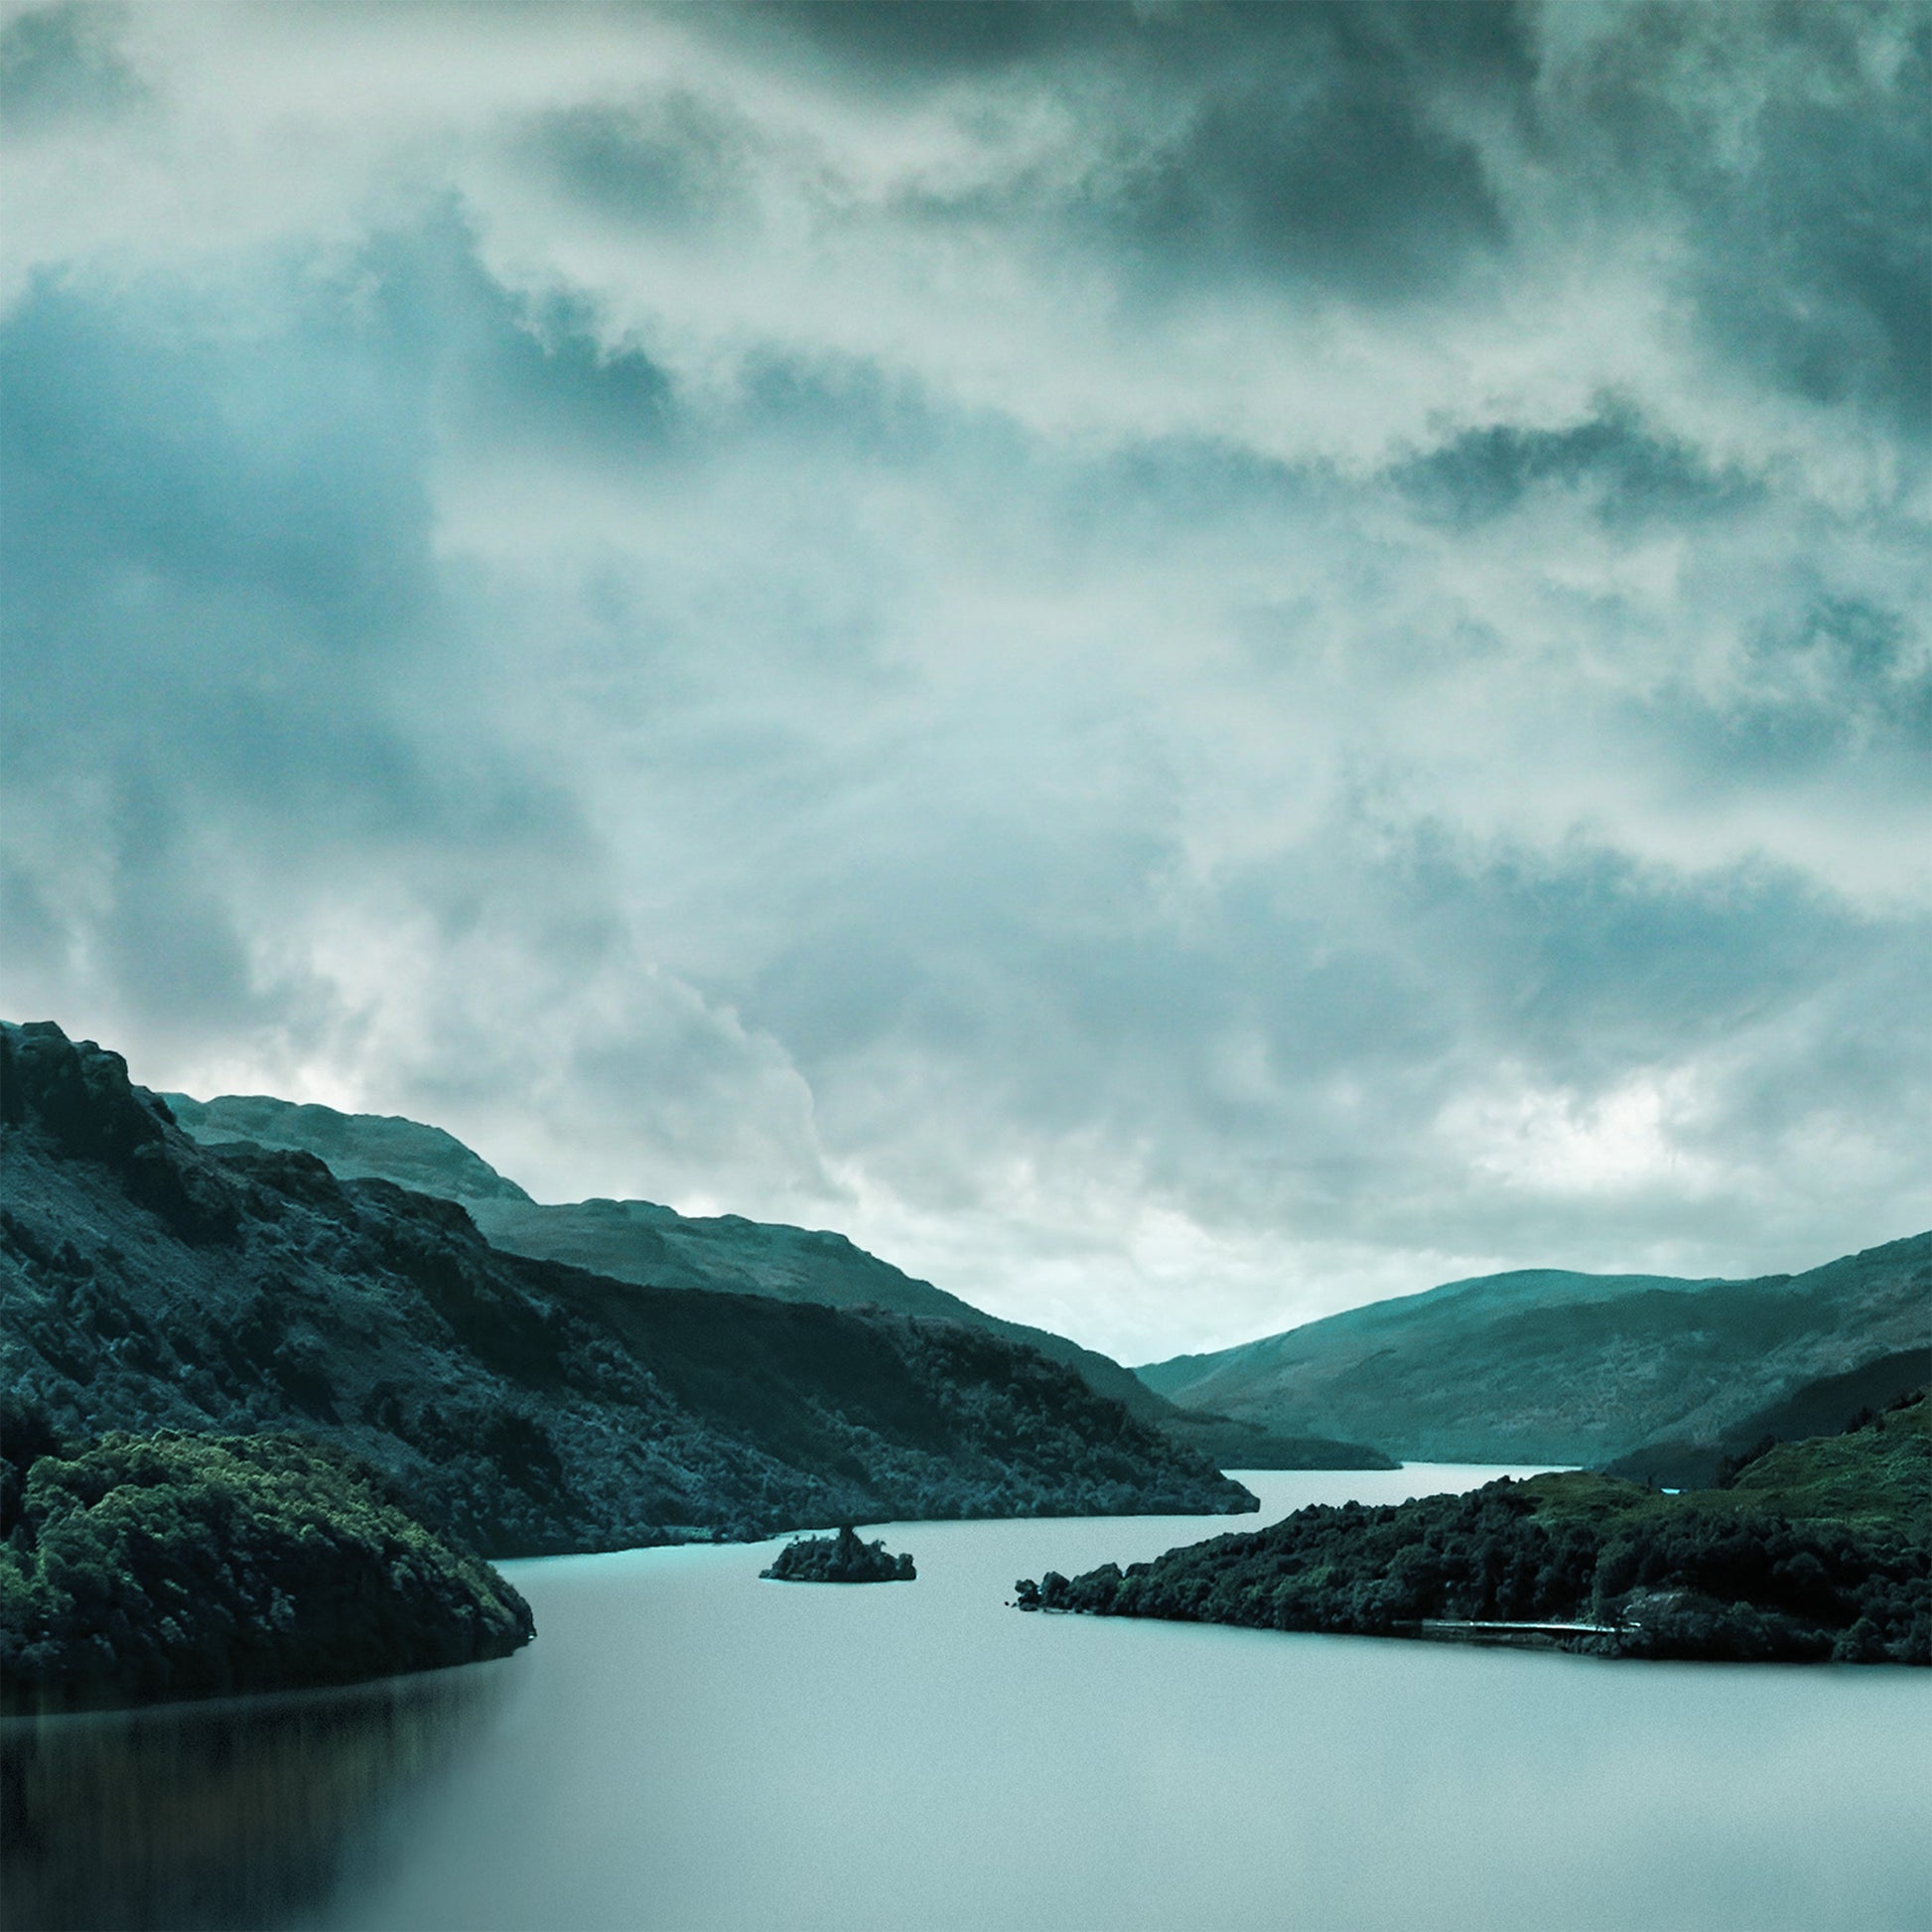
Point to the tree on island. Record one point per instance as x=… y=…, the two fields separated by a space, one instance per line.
x=840 y=1558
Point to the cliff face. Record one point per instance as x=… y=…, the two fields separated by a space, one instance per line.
x=148 y=1281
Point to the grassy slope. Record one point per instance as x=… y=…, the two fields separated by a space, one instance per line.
x=1567 y=1368
x=148 y=1283
x=657 y=1247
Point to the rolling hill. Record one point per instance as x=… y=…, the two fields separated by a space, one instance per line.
x=1546 y=1366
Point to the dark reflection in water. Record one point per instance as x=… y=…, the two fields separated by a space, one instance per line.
x=243 y=1813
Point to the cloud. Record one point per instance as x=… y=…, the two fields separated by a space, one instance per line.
x=1181 y=664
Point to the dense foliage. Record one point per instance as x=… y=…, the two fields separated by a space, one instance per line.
x=1744 y=1574
x=841 y=1559
x=181 y=1566
x=525 y=1405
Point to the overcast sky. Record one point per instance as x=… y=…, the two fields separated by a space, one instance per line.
x=1184 y=665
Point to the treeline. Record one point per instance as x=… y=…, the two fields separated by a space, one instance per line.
x=1720 y=1575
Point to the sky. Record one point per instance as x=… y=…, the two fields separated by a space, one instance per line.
x=1185 y=665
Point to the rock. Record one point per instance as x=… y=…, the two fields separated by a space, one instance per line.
x=840 y=1558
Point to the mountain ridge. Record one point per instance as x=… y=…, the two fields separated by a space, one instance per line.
x=1558 y=1366
x=528 y=1407
x=655 y=1246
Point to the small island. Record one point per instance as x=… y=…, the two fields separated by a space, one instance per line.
x=840 y=1558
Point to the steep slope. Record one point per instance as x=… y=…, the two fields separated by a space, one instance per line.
x=1823 y=1407
x=147 y=1282
x=353 y=1147
x=657 y=1247
x=1556 y=1367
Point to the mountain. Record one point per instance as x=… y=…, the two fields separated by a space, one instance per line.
x=657 y=1247
x=1544 y=1367
x=1821 y=1548
x=1823 y=1407
x=354 y=1147
x=148 y=1281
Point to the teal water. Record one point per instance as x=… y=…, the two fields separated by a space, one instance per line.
x=686 y=1746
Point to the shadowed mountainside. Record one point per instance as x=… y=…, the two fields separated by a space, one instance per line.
x=1545 y=1366
x=657 y=1247
x=149 y=1283
x=1823 y=1407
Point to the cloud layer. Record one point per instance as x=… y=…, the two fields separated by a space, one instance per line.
x=1183 y=664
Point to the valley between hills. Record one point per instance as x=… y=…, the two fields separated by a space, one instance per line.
x=249 y=1347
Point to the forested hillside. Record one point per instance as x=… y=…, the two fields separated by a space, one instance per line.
x=657 y=1247
x=147 y=1282
x=1815 y=1550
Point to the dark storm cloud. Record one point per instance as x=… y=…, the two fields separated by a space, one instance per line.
x=675 y=166
x=64 y=61
x=1279 y=142
x=1183 y=662
x=184 y=529
x=221 y=603
x=1794 y=145
x=1627 y=472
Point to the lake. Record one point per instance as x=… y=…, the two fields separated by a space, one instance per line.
x=686 y=1746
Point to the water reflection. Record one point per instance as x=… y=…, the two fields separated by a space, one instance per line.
x=243 y=1813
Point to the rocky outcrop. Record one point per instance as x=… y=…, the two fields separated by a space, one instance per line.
x=841 y=1559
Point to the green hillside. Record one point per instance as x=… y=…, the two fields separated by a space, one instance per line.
x=149 y=1283
x=1542 y=1366
x=1819 y=1550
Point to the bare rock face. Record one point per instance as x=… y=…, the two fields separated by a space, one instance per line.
x=524 y=1405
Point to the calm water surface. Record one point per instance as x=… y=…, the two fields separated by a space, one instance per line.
x=685 y=1746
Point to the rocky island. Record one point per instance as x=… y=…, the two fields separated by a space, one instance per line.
x=142 y=1568
x=841 y=1559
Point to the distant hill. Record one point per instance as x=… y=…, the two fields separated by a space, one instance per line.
x=1823 y=1407
x=657 y=1247
x=147 y=1282
x=356 y=1147
x=1546 y=1366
